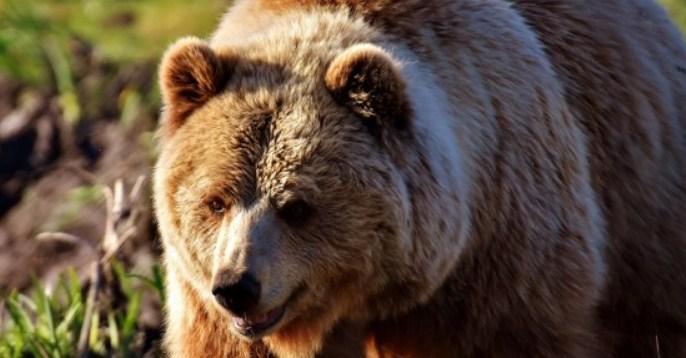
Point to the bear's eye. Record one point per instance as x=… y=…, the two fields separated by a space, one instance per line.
x=296 y=212
x=217 y=206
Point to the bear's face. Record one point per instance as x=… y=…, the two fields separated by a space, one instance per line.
x=278 y=193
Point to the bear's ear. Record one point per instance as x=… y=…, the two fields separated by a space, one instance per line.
x=190 y=74
x=367 y=80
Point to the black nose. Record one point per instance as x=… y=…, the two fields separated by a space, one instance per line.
x=239 y=296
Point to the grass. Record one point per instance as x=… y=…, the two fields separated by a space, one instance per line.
x=42 y=324
x=677 y=9
x=34 y=34
x=102 y=317
x=38 y=38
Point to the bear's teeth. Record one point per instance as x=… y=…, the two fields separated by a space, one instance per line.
x=253 y=320
x=258 y=322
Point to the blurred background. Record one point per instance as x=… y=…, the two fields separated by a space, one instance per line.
x=78 y=111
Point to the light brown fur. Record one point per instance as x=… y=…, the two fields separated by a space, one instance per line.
x=486 y=179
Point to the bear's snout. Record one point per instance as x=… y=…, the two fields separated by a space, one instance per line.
x=238 y=296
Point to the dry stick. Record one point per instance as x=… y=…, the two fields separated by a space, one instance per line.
x=65 y=238
x=119 y=227
x=83 y=347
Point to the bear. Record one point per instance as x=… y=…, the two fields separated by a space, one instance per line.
x=425 y=178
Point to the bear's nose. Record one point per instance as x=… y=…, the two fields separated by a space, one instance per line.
x=239 y=296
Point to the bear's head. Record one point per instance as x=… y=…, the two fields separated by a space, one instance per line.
x=281 y=188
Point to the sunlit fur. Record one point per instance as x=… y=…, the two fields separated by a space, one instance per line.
x=508 y=183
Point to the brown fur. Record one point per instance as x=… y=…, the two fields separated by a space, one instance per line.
x=527 y=200
x=193 y=74
x=367 y=81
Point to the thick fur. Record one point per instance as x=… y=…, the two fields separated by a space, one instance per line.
x=486 y=178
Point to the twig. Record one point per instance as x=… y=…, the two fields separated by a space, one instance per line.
x=124 y=237
x=66 y=238
x=136 y=190
x=83 y=347
x=120 y=225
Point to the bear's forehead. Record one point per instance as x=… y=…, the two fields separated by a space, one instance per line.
x=250 y=146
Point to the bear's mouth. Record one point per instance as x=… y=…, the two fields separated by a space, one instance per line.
x=256 y=325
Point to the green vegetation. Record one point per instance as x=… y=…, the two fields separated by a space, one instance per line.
x=677 y=9
x=49 y=325
x=38 y=32
x=38 y=38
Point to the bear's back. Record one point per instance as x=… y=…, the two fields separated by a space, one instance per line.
x=623 y=65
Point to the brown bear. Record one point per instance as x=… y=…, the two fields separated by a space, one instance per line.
x=426 y=178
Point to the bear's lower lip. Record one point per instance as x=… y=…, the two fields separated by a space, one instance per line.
x=255 y=325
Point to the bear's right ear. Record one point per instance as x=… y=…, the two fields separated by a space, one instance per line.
x=190 y=74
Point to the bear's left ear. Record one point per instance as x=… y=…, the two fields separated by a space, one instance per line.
x=190 y=74
x=367 y=80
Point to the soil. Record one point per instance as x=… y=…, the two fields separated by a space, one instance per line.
x=51 y=169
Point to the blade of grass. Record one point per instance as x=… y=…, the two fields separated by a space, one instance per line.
x=19 y=316
x=61 y=68
x=69 y=317
x=113 y=331
x=26 y=329
x=131 y=318
x=123 y=278
x=93 y=336
x=74 y=286
x=45 y=315
x=26 y=302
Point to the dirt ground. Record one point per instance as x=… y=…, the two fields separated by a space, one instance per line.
x=51 y=169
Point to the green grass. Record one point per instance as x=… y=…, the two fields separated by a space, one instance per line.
x=35 y=34
x=156 y=23
x=38 y=324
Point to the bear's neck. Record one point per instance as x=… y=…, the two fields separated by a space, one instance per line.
x=432 y=329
